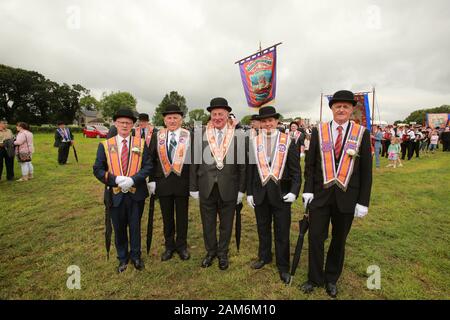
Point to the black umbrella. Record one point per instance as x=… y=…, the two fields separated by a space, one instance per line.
x=150 y=222
x=303 y=227
x=75 y=153
x=108 y=226
x=238 y=225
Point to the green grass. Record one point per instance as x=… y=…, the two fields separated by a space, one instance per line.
x=56 y=220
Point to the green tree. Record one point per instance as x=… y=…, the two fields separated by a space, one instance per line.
x=28 y=96
x=246 y=120
x=419 y=116
x=111 y=103
x=198 y=115
x=172 y=98
x=89 y=103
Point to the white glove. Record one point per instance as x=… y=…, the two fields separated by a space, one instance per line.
x=302 y=155
x=290 y=197
x=360 y=211
x=194 y=194
x=120 y=179
x=307 y=198
x=151 y=187
x=251 y=202
x=126 y=184
x=239 y=198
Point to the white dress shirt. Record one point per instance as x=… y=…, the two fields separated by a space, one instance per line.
x=224 y=132
x=169 y=136
x=335 y=132
x=120 y=143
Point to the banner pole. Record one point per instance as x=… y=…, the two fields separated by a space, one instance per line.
x=259 y=52
x=373 y=106
x=321 y=99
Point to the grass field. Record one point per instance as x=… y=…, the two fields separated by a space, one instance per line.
x=57 y=220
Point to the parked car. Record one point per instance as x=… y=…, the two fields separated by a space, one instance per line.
x=95 y=132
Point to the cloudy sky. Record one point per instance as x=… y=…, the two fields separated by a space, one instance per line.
x=150 y=48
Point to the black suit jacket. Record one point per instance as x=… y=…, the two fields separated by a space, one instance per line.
x=230 y=180
x=59 y=139
x=100 y=169
x=173 y=184
x=360 y=184
x=290 y=181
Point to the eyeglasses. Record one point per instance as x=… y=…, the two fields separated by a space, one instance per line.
x=345 y=107
x=124 y=123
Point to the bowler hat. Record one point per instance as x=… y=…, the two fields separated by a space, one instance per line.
x=254 y=117
x=125 y=113
x=219 y=103
x=267 y=112
x=343 y=96
x=143 y=117
x=172 y=109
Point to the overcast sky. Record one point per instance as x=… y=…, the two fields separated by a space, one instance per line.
x=150 y=48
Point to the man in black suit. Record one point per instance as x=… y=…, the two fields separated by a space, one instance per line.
x=337 y=189
x=273 y=184
x=170 y=156
x=217 y=177
x=63 y=141
x=122 y=164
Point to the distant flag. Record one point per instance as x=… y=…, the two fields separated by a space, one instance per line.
x=258 y=74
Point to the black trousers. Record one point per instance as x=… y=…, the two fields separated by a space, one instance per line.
x=63 y=152
x=319 y=220
x=209 y=208
x=417 y=148
x=404 y=147
x=445 y=146
x=171 y=206
x=128 y=214
x=9 y=163
x=386 y=145
x=410 y=146
x=281 y=214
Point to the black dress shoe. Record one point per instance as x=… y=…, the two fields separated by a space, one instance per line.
x=223 y=263
x=167 y=255
x=122 y=267
x=184 y=254
x=139 y=264
x=307 y=287
x=259 y=264
x=207 y=261
x=331 y=289
x=285 y=277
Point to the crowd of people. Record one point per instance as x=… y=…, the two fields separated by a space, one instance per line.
x=402 y=142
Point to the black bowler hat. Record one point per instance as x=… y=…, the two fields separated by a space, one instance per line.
x=267 y=112
x=343 y=96
x=143 y=117
x=219 y=103
x=254 y=117
x=125 y=113
x=172 y=109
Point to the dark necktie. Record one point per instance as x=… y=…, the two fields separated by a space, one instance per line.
x=124 y=156
x=338 y=143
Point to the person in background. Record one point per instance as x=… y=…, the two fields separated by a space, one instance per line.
x=24 y=150
x=445 y=139
x=434 y=140
x=378 y=136
x=386 y=141
x=394 y=152
x=63 y=141
x=5 y=136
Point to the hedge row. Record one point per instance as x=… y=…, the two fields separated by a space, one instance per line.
x=47 y=129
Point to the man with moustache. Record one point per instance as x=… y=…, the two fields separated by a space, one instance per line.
x=338 y=181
